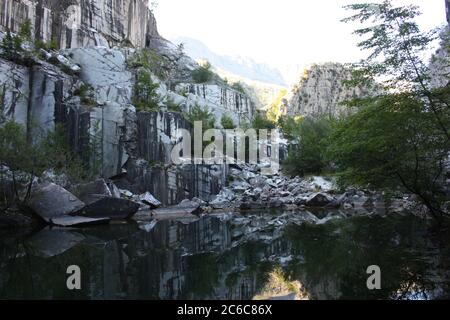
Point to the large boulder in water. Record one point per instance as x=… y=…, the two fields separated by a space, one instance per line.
x=50 y=200
x=318 y=200
x=148 y=199
x=93 y=191
x=54 y=205
x=108 y=207
x=186 y=209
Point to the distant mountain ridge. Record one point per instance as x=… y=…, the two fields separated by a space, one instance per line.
x=241 y=66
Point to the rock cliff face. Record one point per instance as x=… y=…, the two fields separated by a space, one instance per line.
x=104 y=126
x=321 y=90
x=77 y=23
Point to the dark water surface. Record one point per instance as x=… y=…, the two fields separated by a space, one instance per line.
x=202 y=260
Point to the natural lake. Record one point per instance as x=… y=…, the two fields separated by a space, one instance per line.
x=209 y=259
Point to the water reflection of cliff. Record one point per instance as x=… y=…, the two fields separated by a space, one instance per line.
x=200 y=260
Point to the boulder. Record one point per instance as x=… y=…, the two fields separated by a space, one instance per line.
x=275 y=203
x=284 y=194
x=192 y=206
x=300 y=201
x=109 y=207
x=240 y=186
x=318 y=200
x=51 y=201
x=186 y=209
x=76 y=221
x=150 y=200
x=297 y=190
x=94 y=191
x=258 y=181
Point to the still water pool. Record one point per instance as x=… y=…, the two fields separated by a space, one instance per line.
x=202 y=260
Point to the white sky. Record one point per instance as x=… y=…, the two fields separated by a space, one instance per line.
x=278 y=32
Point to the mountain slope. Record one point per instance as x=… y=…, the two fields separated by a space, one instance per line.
x=240 y=66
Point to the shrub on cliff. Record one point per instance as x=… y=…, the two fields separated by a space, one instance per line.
x=203 y=73
x=238 y=87
x=197 y=113
x=227 y=122
x=51 y=45
x=29 y=159
x=11 y=47
x=145 y=96
x=151 y=61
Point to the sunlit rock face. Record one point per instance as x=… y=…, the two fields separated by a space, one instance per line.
x=34 y=96
x=439 y=63
x=221 y=101
x=82 y=23
x=322 y=89
x=14 y=91
x=88 y=87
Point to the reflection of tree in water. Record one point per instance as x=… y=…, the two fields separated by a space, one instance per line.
x=336 y=255
x=202 y=275
x=198 y=261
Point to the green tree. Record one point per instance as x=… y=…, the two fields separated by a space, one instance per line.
x=401 y=139
x=18 y=155
x=393 y=141
x=227 y=122
x=310 y=140
x=261 y=122
x=25 y=30
x=238 y=86
x=145 y=97
x=29 y=159
x=197 y=113
x=151 y=61
x=203 y=73
x=290 y=125
x=11 y=47
x=397 y=47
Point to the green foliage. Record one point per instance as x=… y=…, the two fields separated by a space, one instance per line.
x=25 y=30
x=238 y=87
x=63 y=160
x=198 y=113
x=31 y=159
x=308 y=156
x=86 y=95
x=203 y=73
x=227 y=122
x=15 y=151
x=290 y=126
x=11 y=47
x=397 y=140
x=184 y=92
x=203 y=274
x=172 y=106
x=151 y=61
x=145 y=97
x=275 y=110
x=392 y=141
x=261 y=122
x=51 y=45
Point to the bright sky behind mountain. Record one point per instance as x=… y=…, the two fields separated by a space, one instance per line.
x=281 y=32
